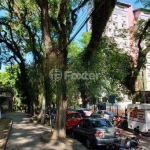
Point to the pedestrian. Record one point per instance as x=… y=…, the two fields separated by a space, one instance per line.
x=21 y=108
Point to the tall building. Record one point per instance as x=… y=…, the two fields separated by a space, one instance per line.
x=120 y=27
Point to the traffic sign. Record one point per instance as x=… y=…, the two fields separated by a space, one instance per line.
x=112 y=98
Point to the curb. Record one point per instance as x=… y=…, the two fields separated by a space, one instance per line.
x=7 y=136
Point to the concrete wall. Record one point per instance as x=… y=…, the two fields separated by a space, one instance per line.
x=118 y=108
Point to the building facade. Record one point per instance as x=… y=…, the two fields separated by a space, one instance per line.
x=120 y=27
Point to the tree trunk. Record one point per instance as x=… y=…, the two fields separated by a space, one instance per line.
x=101 y=13
x=43 y=110
x=59 y=129
x=84 y=100
x=43 y=4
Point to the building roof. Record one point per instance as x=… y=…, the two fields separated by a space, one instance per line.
x=124 y=4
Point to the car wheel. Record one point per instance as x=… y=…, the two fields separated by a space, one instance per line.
x=73 y=135
x=88 y=143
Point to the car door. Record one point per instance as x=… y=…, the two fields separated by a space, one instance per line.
x=77 y=118
x=87 y=129
x=78 y=130
x=72 y=120
x=69 y=122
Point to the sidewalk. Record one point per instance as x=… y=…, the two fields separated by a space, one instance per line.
x=26 y=136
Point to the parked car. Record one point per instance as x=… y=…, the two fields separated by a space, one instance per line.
x=99 y=111
x=73 y=118
x=96 y=115
x=53 y=114
x=85 y=112
x=50 y=112
x=96 y=132
x=81 y=111
x=109 y=115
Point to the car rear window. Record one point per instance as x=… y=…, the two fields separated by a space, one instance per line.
x=101 y=123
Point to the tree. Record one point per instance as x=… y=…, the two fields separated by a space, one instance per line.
x=8 y=82
x=141 y=35
x=110 y=64
x=99 y=20
x=146 y=3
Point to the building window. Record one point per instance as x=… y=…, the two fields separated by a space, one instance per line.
x=121 y=7
x=115 y=17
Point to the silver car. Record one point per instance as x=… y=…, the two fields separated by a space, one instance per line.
x=96 y=132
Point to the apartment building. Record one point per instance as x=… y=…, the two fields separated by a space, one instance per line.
x=122 y=22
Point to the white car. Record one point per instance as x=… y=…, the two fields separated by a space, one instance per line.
x=109 y=115
x=87 y=112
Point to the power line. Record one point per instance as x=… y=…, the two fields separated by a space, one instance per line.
x=82 y=25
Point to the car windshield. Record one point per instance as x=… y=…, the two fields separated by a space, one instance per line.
x=85 y=109
x=101 y=123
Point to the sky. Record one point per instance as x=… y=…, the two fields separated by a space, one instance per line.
x=133 y=3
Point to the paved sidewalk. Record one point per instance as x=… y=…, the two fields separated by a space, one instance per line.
x=26 y=136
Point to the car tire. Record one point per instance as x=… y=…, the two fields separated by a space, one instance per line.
x=88 y=143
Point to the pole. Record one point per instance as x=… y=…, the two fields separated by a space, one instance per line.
x=117 y=110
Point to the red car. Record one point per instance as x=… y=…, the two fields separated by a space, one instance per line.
x=73 y=118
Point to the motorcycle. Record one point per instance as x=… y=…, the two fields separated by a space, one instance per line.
x=136 y=131
x=121 y=122
x=132 y=143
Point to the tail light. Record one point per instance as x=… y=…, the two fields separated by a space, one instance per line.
x=118 y=132
x=99 y=133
